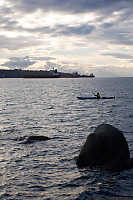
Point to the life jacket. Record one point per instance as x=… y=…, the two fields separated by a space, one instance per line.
x=98 y=96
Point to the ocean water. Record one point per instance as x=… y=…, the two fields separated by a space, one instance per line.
x=47 y=169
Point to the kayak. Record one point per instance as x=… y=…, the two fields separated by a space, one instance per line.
x=82 y=98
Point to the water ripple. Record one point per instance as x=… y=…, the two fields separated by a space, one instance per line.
x=47 y=169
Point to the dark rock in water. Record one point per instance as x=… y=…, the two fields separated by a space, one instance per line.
x=107 y=148
x=37 y=137
x=28 y=139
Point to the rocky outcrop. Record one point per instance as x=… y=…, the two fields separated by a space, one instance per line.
x=107 y=148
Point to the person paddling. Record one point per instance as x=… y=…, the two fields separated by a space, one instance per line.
x=97 y=95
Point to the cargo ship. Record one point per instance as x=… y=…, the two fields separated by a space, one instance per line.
x=40 y=74
x=69 y=75
x=88 y=76
x=18 y=73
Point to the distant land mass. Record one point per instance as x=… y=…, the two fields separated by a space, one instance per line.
x=19 y=73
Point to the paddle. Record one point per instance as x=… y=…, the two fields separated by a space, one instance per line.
x=93 y=93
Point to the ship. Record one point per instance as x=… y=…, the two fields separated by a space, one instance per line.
x=40 y=74
x=69 y=75
x=88 y=76
x=18 y=73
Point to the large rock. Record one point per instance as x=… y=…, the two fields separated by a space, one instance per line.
x=107 y=148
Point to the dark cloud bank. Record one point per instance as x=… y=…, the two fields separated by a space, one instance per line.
x=72 y=6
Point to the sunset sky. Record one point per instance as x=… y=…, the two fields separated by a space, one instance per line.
x=88 y=36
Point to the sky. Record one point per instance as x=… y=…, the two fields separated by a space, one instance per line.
x=84 y=36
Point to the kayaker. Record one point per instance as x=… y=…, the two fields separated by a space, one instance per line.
x=97 y=96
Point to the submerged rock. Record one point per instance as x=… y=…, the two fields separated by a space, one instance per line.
x=28 y=139
x=107 y=148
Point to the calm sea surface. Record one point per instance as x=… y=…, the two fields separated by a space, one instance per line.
x=47 y=169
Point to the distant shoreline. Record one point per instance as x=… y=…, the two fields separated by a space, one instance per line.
x=18 y=73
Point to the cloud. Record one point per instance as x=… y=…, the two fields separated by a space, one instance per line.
x=47 y=58
x=16 y=62
x=50 y=65
x=75 y=6
x=76 y=32
x=119 y=55
x=113 y=71
x=25 y=62
x=16 y=43
x=107 y=24
x=83 y=29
